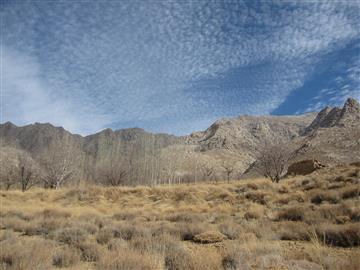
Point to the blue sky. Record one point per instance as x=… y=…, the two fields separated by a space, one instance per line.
x=174 y=66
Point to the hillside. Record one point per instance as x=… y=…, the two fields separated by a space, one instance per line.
x=331 y=136
x=304 y=222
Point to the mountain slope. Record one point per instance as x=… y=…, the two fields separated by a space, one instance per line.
x=332 y=136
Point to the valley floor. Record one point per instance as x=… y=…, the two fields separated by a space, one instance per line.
x=304 y=222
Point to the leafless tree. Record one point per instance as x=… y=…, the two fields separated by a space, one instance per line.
x=8 y=177
x=207 y=170
x=228 y=168
x=273 y=160
x=58 y=167
x=112 y=175
x=28 y=173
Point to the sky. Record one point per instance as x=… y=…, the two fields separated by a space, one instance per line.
x=174 y=66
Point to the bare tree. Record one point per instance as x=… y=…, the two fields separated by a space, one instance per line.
x=8 y=177
x=112 y=174
x=58 y=166
x=27 y=173
x=207 y=170
x=273 y=160
x=228 y=168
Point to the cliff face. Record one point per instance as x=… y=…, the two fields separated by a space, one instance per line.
x=331 y=136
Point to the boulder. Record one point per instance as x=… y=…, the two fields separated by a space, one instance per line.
x=304 y=167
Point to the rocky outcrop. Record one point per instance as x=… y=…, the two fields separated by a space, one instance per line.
x=304 y=167
x=348 y=116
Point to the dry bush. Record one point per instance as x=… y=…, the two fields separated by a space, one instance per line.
x=251 y=215
x=291 y=214
x=350 y=192
x=117 y=244
x=71 y=235
x=177 y=257
x=347 y=235
x=127 y=259
x=185 y=217
x=188 y=231
x=230 y=229
x=54 y=213
x=294 y=231
x=320 y=196
x=129 y=231
x=90 y=251
x=14 y=223
x=257 y=197
x=104 y=235
x=66 y=257
x=127 y=215
x=26 y=254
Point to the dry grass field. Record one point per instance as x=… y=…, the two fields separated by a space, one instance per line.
x=304 y=222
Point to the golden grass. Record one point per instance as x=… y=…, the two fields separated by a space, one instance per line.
x=303 y=222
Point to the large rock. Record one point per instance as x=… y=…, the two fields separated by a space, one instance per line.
x=304 y=167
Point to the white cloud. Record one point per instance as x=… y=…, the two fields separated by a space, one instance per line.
x=26 y=98
x=133 y=61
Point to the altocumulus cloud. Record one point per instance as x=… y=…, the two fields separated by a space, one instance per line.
x=170 y=66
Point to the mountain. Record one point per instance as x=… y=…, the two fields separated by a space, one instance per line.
x=331 y=136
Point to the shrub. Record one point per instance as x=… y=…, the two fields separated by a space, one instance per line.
x=26 y=254
x=340 y=235
x=230 y=230
x=188 y=231
x=117 y=244
x=292 y=214
x=251 y=215
x=71 y=236
x=257 y=197
x=177 y=257
x=66 y=257
x=351 y=192
x=127 y=259
x=90 y=252
x=55 y=213
x=328 y=196
x=104 y=235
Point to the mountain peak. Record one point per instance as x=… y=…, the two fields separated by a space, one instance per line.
x=327 y=117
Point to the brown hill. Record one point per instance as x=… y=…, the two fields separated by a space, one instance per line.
x=331 y=136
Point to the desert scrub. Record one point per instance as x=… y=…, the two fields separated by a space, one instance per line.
x=292 y=214
x=127 y=259
x=66 y=257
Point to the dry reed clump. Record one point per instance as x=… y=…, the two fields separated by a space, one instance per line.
x=347 y=235
x=177 y=257
x=66 y=257
x=231 y=230
x=105 y=234
x=54 y=213
x=127 y=259
x=90 y=251
x=293 y=231
x=291 y=214
x=350 y=192
x=71 y=236
x=320 y=196
x=117 y=244
x=26 y=254
x=257 y=197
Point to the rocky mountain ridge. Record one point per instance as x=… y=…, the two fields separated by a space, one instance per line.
x=332 y=136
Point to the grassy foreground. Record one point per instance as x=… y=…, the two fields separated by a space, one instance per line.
x=307 y=222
